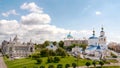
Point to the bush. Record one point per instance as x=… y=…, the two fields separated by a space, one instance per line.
x=56 y=59
x=74 y=65
x=88 y=64
x=51 y=66
x=35 y=56
x=67 y=65
x=101 y=63
x=39 y=61
x=50 y=60
x=59 y=66
x=42 y=66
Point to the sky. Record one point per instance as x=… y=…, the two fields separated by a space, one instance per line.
x=40 y=20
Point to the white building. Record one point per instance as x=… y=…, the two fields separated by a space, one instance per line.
x=97 y=45
x=15 y=49
x=52 y=47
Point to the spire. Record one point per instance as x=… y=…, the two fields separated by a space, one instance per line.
x=102 y=28
x=93 y=32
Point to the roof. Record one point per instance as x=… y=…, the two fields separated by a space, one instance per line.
x=98 y=47
x=69 y=36
x=93 y=37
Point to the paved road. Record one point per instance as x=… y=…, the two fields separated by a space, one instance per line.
x=2 y=63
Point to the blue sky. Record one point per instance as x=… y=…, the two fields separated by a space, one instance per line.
x=77 y=15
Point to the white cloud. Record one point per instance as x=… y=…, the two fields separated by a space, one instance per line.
x=98 y=13
x=32 y=7
x=10 y=12
x=35 y=18
x=35 y=26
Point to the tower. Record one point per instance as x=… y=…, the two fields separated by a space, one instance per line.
x=102 y=38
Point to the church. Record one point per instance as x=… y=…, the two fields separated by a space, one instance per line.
x=97 y=46
x=14 y=49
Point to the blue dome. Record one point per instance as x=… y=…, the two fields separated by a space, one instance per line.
x=93 y=37
x=69 y=36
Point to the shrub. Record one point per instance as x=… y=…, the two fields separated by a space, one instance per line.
x=88 y=64
x=35 y=56
x=51 y=66
x=42 y=66
x=101 y=63
x=56 y=59
x=74 y=65
x=39 y=61
x=67 y=65
x=50 y=60
x=59 y=66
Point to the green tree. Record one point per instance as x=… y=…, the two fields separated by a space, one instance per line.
x=51 y=66
x=83 y=46
x=54 y=43
x=50 y=59
x=94 y=63
x=51 y=53
x=61 y=44
x=88 y=64
x=46 y=43
x=74 y=65
x=60 y=52
x=42 y=66
x=59 y=66
x=39 y=61
x=101 y=63
x=35 y=56
x=44 y=52
x=56 y=59
x=67 y=65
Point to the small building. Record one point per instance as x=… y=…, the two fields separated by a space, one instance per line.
x=52 y=47
x=15 y=49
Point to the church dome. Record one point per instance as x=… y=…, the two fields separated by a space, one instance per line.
x=93 y=37
x=69 y=36
x=98 y=47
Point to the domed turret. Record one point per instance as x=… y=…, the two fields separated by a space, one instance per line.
x=69 y=36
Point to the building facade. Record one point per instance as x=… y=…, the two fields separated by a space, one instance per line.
x=69 y=41
x=15 y=49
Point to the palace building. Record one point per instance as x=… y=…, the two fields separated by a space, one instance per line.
x=15 y=49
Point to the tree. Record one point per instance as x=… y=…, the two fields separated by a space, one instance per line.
x=42 y=66
x=61 y=44
x=51 y=53
x=39 y=61
x=67 y=65
x=94 y=63
x=35 y=56
x=88 y=64
x=50 y=60
x=56 y=59
x=74 y=65
x=59 y=66
x=46 y=43
x=83 y=46
x=101 y=63
x=44 y=52
x=51 y=66
x=60 y=52
x=54 y=43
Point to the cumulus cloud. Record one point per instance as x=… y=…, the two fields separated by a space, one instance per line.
x=35 y=18
x=10 y=12
x=31 y=7
x=35 y=26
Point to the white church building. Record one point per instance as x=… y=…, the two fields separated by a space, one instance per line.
x=97 y=46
